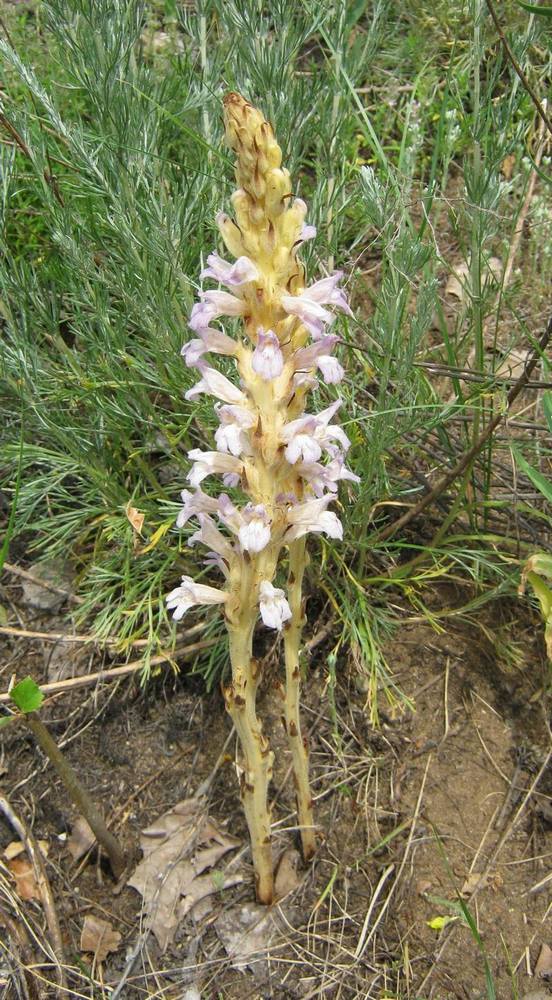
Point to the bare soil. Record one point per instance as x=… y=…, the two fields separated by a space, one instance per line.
x=439 y=817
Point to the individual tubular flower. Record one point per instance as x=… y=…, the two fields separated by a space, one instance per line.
x=188 y=594
x=284 y=463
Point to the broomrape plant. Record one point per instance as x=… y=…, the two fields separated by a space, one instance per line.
x=286 y=462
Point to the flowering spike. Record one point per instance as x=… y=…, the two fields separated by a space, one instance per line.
x=287 y=463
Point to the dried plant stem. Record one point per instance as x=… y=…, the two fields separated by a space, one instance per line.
x=298 y=746
x=78 y=793
x=240 y=697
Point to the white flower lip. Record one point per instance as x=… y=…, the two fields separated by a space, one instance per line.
x=274 y=608
x=267 y=359
x=306 y=437
x=312 y=516
x=189 y=593
x=251 y=525
x=231 y=436
x=254 y=533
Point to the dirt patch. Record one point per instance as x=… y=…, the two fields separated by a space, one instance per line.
x=439 y=818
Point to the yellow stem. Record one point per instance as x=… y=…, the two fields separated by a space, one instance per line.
x=240 y=697
x=298 y=746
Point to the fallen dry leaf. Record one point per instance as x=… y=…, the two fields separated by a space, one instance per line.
x=286 y=878
x=99 y=937
x=81 y=839
x=178 y=848
x=472 y=881
x=26 y=885
x=246 y=932
x=513 y=365
x=458 y=282
x=543 y=967
x=135 y=517
x=16 y=847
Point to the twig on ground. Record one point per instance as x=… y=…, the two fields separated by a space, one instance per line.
x=111 y=640
x=43 y=885
x=72 y=683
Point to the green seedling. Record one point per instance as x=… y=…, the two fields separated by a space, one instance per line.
x=28 y=698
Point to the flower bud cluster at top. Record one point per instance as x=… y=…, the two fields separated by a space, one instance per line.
x=287 y=462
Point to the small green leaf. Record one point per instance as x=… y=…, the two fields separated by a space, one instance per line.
x=219 y=880
x=27 y=695
x=536 y=477
x=547 y=407
x=3 y=615
x=535 y=8
x=6 y=720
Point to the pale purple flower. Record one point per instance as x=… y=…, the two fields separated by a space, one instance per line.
x=214 y=304
x=231 y=479
x=214 y=383
x=309 y=435
x=304 y=380
x=209 y=340
x=318 y=355
x=322 y=478
x=332 y=371
x=267 y=359
x=239 y=273
x=213 y=560
x=307 y=233
x=195 y=503
x=189 y=593
x=193 y=351
x=208 y=463
x=273 y=605
x=254 y=533
x=308 y=306
x=251 y=525
x=312 y=516
x=232 y=435
x=209 y=535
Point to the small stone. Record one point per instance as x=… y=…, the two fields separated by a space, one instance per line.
x=55 y=572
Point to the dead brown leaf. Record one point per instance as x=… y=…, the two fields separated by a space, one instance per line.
x=543 y=967
x=507 y=166
x=472 y=881
x=81 y=839
x=286 y=878
x=99 y=937
x=178 y=848
x=26 y=885
x=458 y=282
x=16 y=847
x=246 y=932
x=135 y=517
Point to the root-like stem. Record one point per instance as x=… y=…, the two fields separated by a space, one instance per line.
x=240 y=697
x=78 y=793
x=298 y=747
